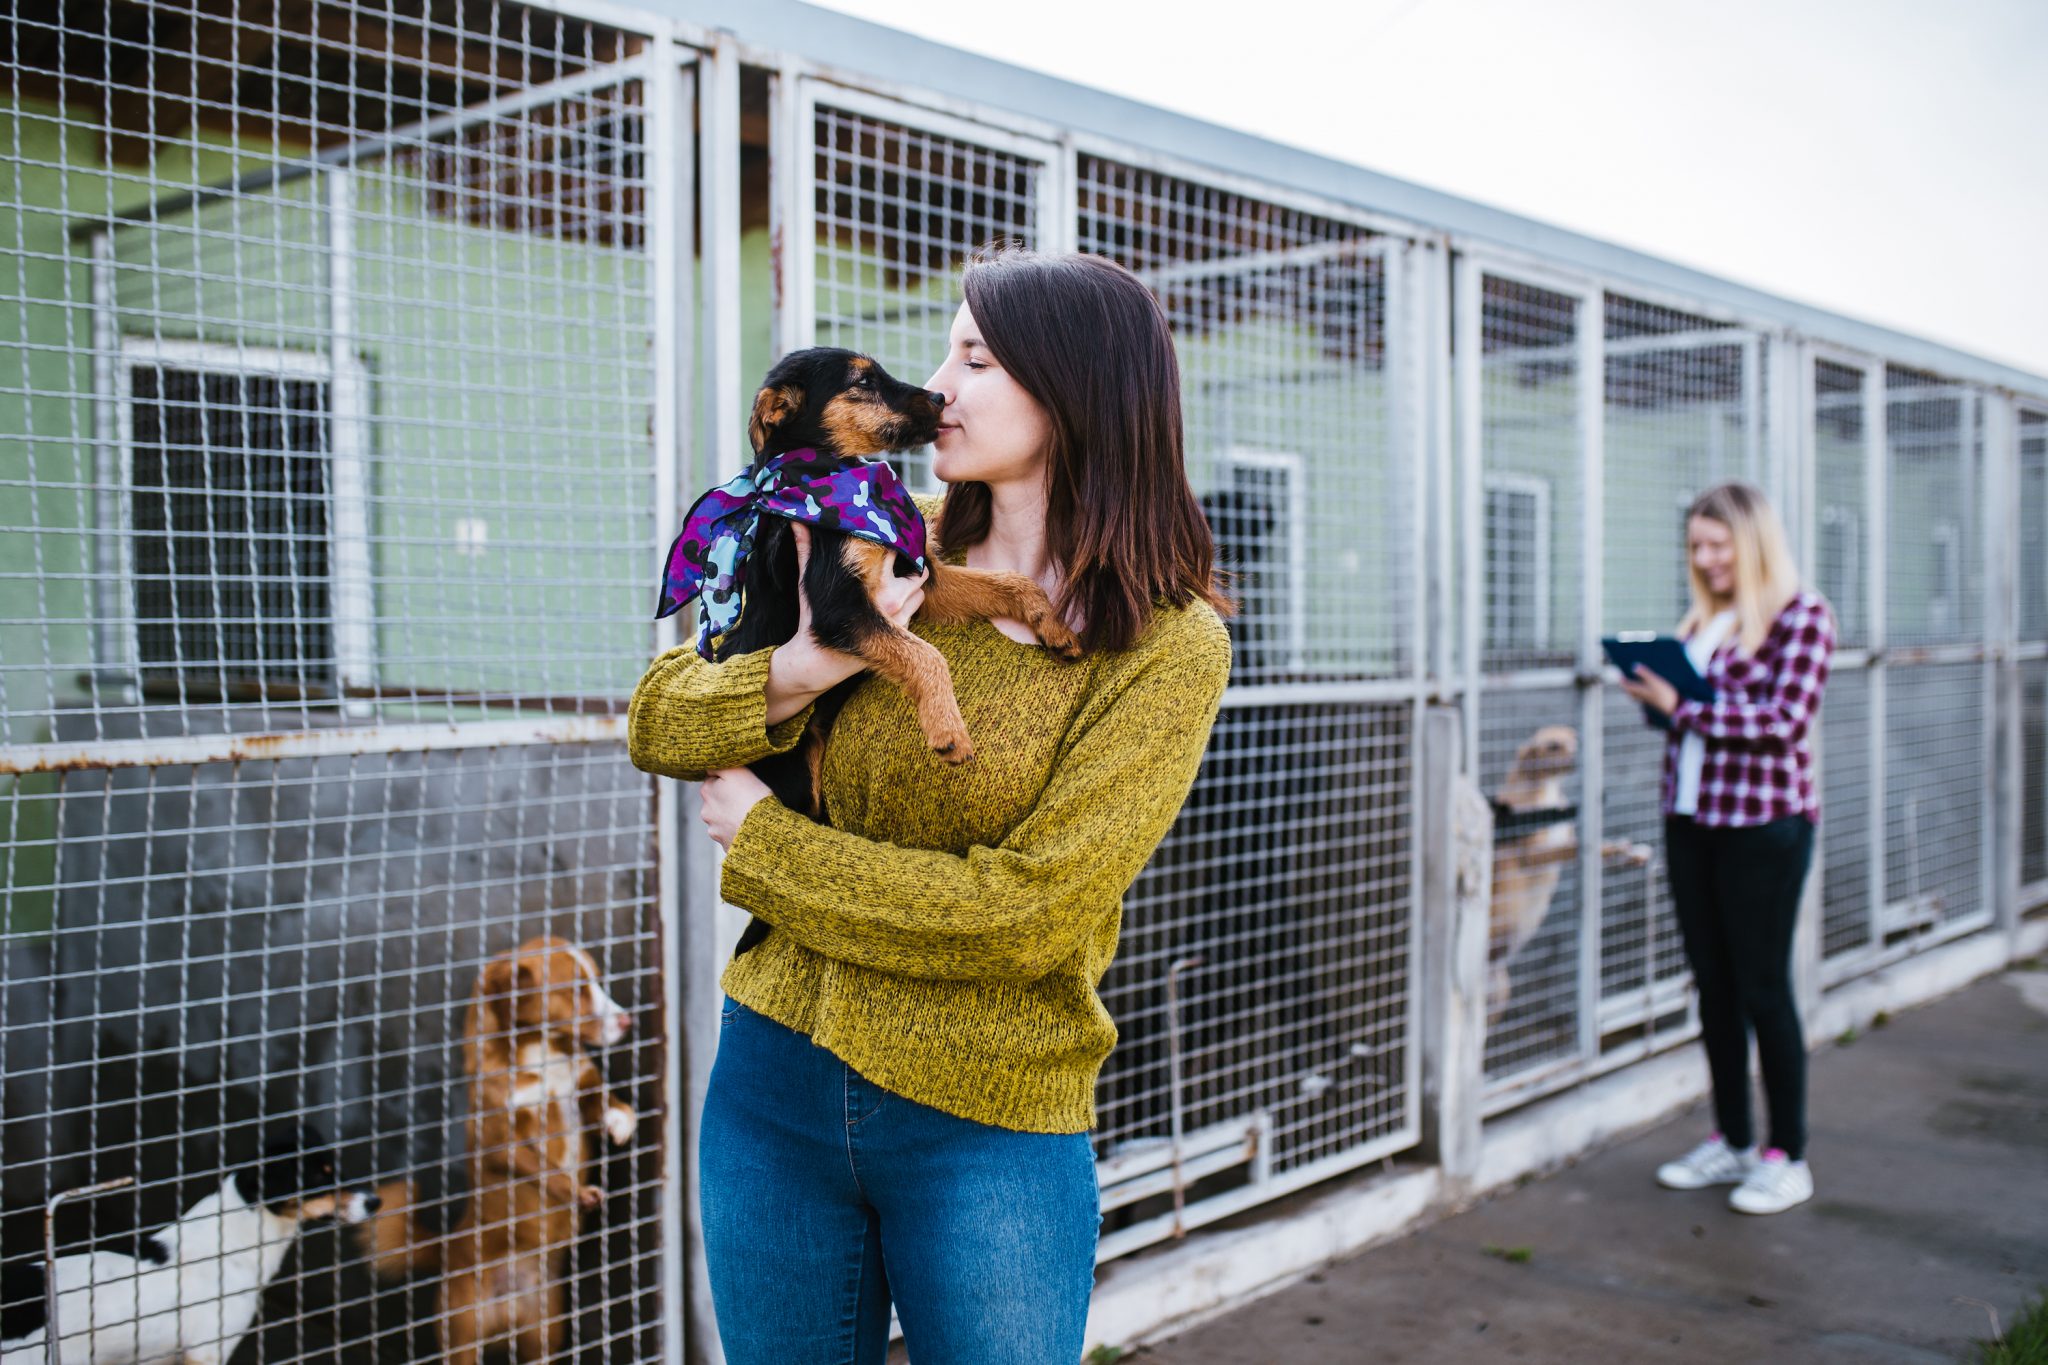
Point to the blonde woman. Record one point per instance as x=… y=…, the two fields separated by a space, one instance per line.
x=1740 y=808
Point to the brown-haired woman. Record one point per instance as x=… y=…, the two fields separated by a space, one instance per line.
x=906 y=1070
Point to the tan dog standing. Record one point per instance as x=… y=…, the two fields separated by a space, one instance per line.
x=536 y=1098
x=1536 y=833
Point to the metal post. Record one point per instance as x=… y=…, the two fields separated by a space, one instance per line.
x=53 y=1333
x=2001 y=619
x=354 y=610
x=1877 y=489
x=1455 y=890
x=1592 y=365
x=1466 y=339
x=1175 y=1077
x=1439 y=459
x=114 y=642
x=670 y=176
x=724 y=433
x=1796 y=455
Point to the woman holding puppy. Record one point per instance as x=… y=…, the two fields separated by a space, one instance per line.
x=905 y=1081
x=1740 y=807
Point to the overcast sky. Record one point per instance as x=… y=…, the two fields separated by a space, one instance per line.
x=1882 y=158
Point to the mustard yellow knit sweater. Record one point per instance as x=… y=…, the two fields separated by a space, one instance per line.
x=946 y=934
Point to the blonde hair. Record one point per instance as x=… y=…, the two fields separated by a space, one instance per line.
x=1765 y=576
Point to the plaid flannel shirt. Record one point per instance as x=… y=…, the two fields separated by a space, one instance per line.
x=1759 y=761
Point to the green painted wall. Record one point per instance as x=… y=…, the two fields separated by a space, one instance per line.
x=508 y=388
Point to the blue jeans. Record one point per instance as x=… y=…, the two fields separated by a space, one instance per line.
x=825 y=1197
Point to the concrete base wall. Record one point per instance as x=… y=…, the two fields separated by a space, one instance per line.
x=1173 y=1288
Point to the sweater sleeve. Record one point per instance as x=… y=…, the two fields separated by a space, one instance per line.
x=1776 y=723
x=1017 y=910
x=689 y=715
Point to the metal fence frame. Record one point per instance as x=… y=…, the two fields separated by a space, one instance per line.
x=1434 y=291
x=666 y=73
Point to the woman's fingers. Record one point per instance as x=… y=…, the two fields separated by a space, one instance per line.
x=899 y=598
x=802 y=533
x=911 y=602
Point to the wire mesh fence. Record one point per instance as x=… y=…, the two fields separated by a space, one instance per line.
x=2033 y=775
x=897 y=210
x=1289 y=877
x=1683 y=409
x=328 y=353
x=1537 y=927
x=1683 y=402
x=1849 y=811
x=1291 y=868
x=1532 y=365
x=2031 y=618
x=1934 y=716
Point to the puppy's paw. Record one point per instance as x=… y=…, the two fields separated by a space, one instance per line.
x=951 y=744
x=619 y=1124
x=590 y=1196
x=1634 y=855
x=1057 y=637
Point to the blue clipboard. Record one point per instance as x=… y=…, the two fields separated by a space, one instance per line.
x=1663 y=655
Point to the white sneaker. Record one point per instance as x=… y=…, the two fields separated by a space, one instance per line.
x=1713 y=1162
x=1774 y=1184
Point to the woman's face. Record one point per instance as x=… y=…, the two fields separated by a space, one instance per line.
x=992 y=432
x=1711 y=547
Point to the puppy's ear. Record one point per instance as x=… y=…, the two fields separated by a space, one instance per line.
x=772 y=406
x=499 y=991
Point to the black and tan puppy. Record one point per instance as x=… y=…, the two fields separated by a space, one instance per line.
x=845 y=406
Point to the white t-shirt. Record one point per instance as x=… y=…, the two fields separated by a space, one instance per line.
x=1692 y=750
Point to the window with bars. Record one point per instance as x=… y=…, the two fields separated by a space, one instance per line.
x=1517 y=562
x=229 y=513
x=1259 y=517
x=1841 y=555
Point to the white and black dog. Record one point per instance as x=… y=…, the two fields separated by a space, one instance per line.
x=186 y=1294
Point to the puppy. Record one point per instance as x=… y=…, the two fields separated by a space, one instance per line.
x=189 y=1292
x=535 y=1099
x=1536 y=833
x=819 y=410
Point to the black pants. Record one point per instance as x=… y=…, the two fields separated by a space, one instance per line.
x=1736 y=891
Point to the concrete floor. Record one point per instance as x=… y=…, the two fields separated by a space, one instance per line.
x=1930 y=1155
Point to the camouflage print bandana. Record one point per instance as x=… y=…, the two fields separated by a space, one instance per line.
x=858 y=497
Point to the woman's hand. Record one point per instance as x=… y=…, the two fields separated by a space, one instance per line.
x=803 y=670
x=898 y=599
x=724 y=800
x=1651 y=690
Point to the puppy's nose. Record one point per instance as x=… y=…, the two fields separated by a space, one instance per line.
x=372 y=1202
x=938 y=399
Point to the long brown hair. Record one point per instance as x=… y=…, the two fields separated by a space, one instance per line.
x=1090 y=344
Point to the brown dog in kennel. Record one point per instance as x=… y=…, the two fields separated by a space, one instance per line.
x=536 y=1102
x=1535 y=834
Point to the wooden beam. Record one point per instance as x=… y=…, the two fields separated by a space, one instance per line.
x=153 y=71
x=249 y=45
x=150 y=83
x=504 y=66
x=389 y=39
